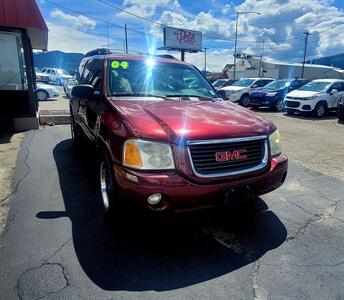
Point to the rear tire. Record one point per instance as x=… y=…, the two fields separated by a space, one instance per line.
x=320 y=110
x=76 y=136
x=245 y=101
x=42 y=95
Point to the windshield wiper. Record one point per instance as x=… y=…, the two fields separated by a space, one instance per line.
x=193 y=96
x=138 y=95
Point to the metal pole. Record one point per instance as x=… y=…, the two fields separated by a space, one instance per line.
x=235 y=44
x=205 y=61
x=261 y=58
x=107 y=35
x=126 y=38
x=304 y=53
x=182 y=55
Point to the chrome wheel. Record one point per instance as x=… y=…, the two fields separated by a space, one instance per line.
x=245 y=101
x=104 y=185
x=320 y=110
x=279 y=105
x=42 y=95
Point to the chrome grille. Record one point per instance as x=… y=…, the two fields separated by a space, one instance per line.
x=203 y=156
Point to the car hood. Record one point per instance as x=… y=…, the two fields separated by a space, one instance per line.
x=234 y=88
x=265 y=91
x=45 y=87
x=190 y=120
x=303 y=94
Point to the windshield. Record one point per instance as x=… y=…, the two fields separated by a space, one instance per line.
x=219 y=82
x=72 y=82
x=62 y=72
x=315 y=86
x=277 y=85
x=154 y=78
x=243 y=82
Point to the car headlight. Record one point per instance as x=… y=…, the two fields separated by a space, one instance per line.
x=311 y=98
x=271 y=94
x=275 y=143
x=147 y=155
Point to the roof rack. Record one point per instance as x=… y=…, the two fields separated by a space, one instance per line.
x=106 y=51
x=99 y=51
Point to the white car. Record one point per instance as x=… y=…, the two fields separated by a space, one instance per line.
x=57 y=76
x=239 y=90
x=45 y=92
x=316 y=97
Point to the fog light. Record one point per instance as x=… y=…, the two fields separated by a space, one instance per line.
x=154 y=199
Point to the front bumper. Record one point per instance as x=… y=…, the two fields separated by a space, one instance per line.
x=256 y=101
x=301 y=105
x=182 y=195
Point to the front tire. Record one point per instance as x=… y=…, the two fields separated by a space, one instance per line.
x=245 y=101
x=278 y=106
x=42 y=95
x=108 y=186
x=320 y=110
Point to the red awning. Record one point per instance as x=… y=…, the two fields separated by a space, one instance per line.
x=25 y=14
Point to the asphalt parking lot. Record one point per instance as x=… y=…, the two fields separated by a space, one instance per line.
x=57 y=246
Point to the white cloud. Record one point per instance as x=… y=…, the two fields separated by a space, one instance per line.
x=225 y=9
x=67 y=39
x=147 y=8
x=79 y=22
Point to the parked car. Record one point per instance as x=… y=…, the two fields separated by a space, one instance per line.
x=169 y=143
x=45 y=92
x=340 y=109
x=68 y=86
x=41 y=77
x=57 y=76
x=315 y=97
x=220 y=83
x=273 y=94
x=239 y=91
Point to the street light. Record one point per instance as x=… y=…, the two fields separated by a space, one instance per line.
x=236 y=32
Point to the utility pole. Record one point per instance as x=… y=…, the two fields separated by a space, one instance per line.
x=304 y=52
x=261 y=57
x=107 y=35
x=205 y=60
x=236 y=34
x=235 y=43
x=126 y=38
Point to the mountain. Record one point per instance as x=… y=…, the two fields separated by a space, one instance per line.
x=334 y=60
x=58 y=59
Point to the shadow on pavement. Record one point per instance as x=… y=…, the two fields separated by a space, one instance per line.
x=152 y=253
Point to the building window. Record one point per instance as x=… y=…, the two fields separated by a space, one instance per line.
x=12 y=62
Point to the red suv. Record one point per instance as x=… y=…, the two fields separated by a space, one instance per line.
x=166 y=139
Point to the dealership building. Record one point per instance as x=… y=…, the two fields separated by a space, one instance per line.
x=22 y=28
x=278 y=69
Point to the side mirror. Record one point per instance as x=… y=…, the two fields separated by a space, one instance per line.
x=83 y=91
x=255 y=85
x=334 y=91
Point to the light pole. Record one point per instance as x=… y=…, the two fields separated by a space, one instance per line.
x=304 y=52
x=236 y=33
x=205 y=60
x=261 y=56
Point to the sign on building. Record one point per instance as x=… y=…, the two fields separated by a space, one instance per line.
x=182 y=39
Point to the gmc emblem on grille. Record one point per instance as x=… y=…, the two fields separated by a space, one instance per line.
x=231 y=155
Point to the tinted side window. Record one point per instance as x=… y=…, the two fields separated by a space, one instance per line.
x=260 y=83
x=336 y=86
x=92 y=73
x=48 y=71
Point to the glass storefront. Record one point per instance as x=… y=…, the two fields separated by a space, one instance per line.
x=12 y=62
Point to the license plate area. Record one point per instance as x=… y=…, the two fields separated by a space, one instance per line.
x=237 y=195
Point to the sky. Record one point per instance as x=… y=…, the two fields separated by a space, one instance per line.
x=83 y=25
